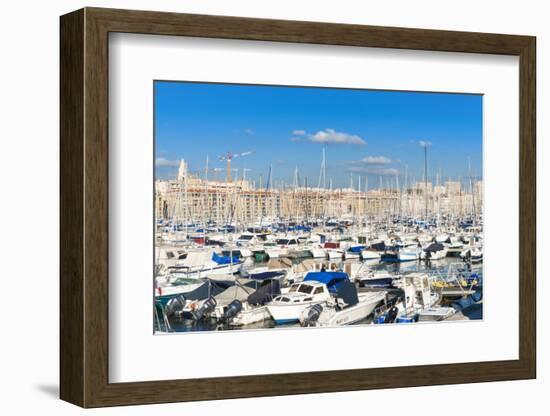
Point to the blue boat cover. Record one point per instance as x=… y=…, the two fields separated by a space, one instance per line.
x=265 y=275
x=331 y=279
x=356 y=249
x=224 y=259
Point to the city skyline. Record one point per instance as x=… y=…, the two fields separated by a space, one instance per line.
x=366 y=133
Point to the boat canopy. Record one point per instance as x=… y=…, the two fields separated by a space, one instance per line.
x=331 y=279
x=224 y=259
x=356 y=249
x=348 y=293
x=208 y=289
x=381 y=246
x=194 y=259
x=434 y=247
x=270 y=274
x=234 y=292
x=265 y=293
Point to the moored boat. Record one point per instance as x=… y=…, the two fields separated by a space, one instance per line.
x=314 y=289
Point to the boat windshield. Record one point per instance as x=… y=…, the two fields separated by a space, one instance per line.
x=182 y=281
x=245 y=237
x=307 y=289
x=294 y=287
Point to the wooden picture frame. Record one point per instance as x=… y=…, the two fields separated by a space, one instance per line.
x=84 y=207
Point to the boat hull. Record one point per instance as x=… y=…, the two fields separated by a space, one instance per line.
x=399 y=257
x=286 y=314
x=370 y=255
x=352 y=314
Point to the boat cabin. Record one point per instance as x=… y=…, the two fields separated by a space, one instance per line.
x=304 y=292
x=287 y=242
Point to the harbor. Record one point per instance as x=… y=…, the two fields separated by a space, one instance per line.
x=232 y=253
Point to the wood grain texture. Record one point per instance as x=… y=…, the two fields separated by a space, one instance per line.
x=84 y=205
x=71 y=217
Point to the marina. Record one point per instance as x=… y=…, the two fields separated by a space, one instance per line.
x=410 y=254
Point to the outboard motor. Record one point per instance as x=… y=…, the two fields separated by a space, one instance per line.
x=174 y=306
x=233 y=309
x=206 y=308
x=312 y=315
x=392 y=314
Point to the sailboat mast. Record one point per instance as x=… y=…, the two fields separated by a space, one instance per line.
x=425 y=182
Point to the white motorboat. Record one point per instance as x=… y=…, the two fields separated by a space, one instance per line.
x=314 y=289
x=348 y=307
x=353 y=253
x=435 y=314
x=370 y=255
x=250 y=314
x=318 y=252
x=282 y=247
x=417 y=296
x=176 y=286
x=200 y=264
x=334 y=253
x=377 y=279
x=400 y=255
x=287 y=307
x=434 y=251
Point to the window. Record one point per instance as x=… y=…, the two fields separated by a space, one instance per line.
x=318 y=290
x=169 y=255
x=305 y=289
x=293 y=288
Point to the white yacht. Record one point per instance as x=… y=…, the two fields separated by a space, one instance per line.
x=368 y=255
x=199 y=264
x=346 y=308
x=287 y=307
x=315 y=289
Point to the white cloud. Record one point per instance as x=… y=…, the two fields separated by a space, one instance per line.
x=299 y=132
x=296 y=139
x=249 y=132
x=374 y=170
x=389 y=171
x=424 y=143
x=161 y=162
x=330 y=136
x=376 y=160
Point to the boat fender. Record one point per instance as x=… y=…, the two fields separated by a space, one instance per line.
x=233 y=309
x=206 y=308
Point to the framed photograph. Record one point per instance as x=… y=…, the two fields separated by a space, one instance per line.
x=254 y=207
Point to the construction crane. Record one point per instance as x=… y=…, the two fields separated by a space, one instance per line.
x=229 y=157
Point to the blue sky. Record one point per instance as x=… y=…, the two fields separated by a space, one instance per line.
x=366 y=133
